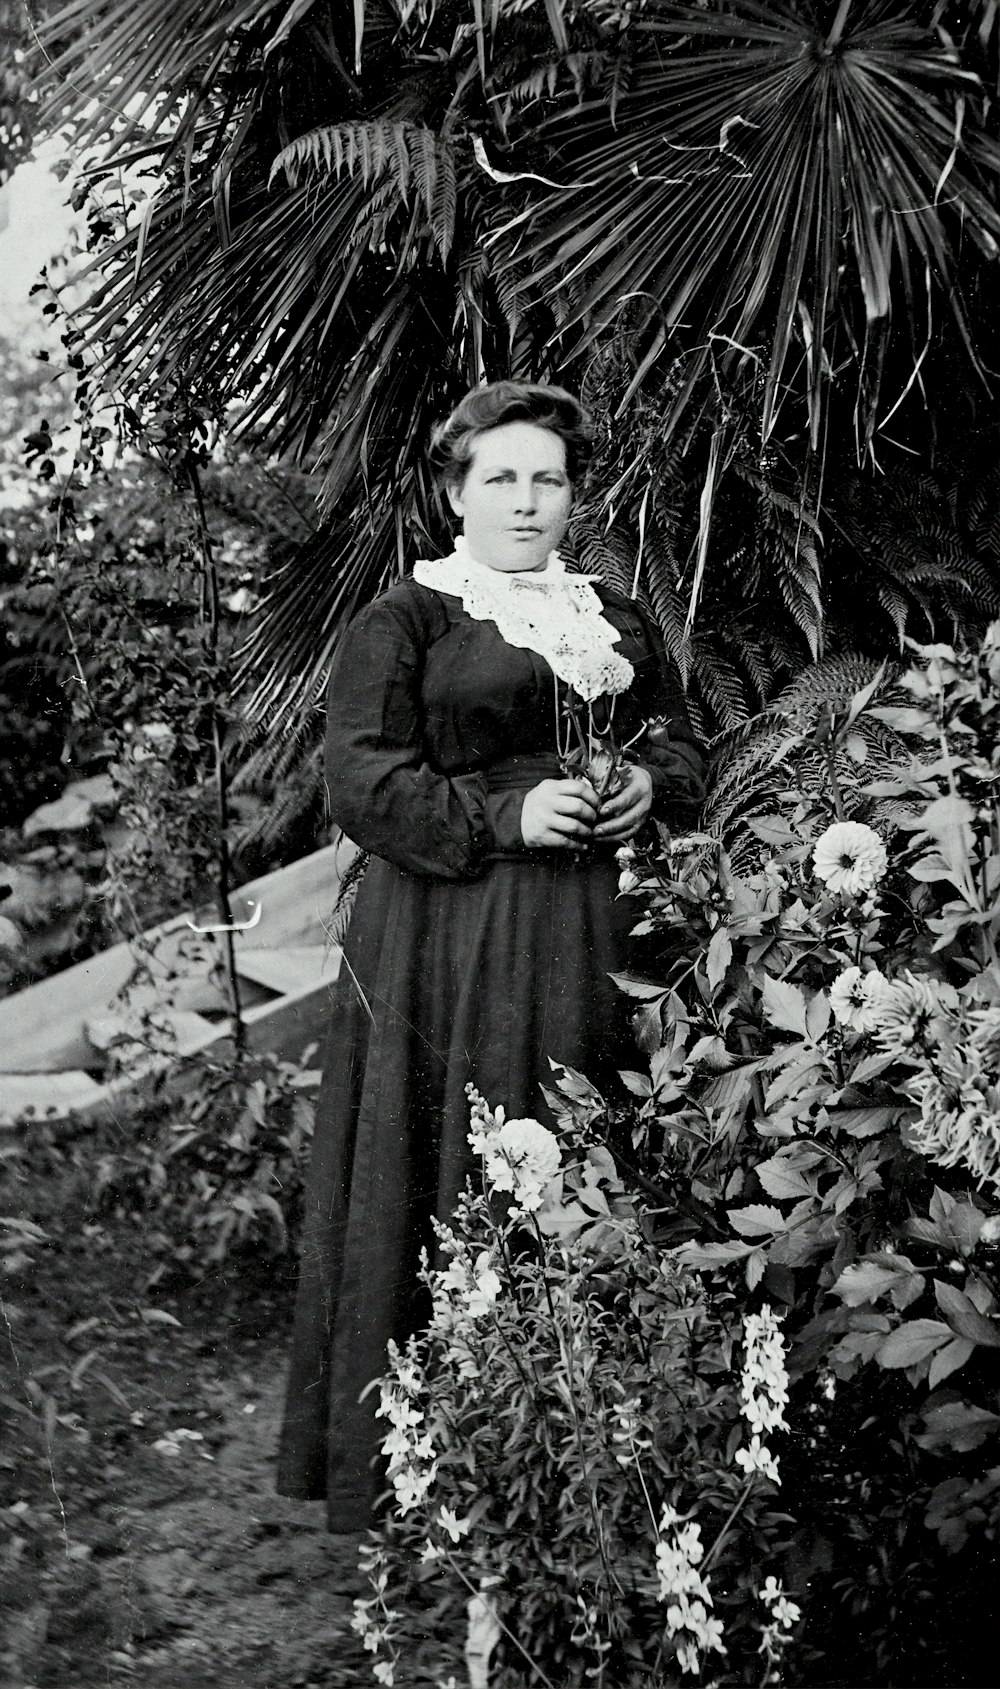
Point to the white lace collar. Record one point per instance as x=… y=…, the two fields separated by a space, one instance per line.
x=548 y=611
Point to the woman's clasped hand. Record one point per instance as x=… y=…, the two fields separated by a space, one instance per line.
x=569 y=814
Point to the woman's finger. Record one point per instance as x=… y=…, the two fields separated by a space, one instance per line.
x=576 y=807
x=629 y=819
x=571 y=825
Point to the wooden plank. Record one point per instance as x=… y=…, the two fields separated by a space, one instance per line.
x=290 y=969
x=40 y=1094
x=296 y=903
x=42 y=1027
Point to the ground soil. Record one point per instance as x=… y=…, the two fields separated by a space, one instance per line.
x=142 y=1542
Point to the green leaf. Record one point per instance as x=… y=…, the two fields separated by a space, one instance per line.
x=866 y=1281
x=782 y=1180
x=948 y=1360
x=863 y=1122
x=711 y=1254
x=957 y=1225
x=905 y=719
x=870 y=1068
x=720 y=954
x=784 y=1005
x=638 y=1083
x=758 y=1219
x=818 y=1016
x=964 y=1318
x=912 y=1342
x=958 y=1426
x=647 y=989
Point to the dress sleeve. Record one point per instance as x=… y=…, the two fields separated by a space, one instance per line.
x=382 y=790
x=669 y=749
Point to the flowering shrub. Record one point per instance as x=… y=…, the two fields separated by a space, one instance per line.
x=774 y=1264
x=548 y=1435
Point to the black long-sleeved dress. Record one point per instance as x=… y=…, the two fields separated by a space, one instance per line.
x=478 y=960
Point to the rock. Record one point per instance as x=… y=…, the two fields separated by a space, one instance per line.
x=11 y=940
x=75 y=809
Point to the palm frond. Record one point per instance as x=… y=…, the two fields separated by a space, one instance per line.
x=749 y=159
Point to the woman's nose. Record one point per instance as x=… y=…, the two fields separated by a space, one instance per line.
x=524 y=496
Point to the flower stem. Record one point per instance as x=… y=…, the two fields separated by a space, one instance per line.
x=738 y=1506
x=470 y=1586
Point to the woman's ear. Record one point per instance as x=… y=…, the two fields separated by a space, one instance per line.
x=455 y=498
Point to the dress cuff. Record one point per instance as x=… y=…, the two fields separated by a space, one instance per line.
x=502 y=818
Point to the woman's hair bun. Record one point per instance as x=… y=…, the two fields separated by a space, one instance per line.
x=499 y=402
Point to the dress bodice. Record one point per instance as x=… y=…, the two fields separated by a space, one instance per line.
x=424 y=700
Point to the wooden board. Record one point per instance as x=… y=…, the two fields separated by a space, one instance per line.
x=43 y=1027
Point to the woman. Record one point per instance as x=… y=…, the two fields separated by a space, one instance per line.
x=487 y=923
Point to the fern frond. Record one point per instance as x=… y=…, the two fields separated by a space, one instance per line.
x=352 y=149
x=833 y=680
x=403 y=152
x=669 y=609
x=350 y=885
x=719 y=683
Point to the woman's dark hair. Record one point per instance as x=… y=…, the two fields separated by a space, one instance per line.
x=499 y=402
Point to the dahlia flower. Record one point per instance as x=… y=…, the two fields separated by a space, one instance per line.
x=850 y=858
x=523 y=1157
x=856 y=998
x=914 y=1012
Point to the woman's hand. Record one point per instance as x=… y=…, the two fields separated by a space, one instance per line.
x=623 y=813
x=559 y=812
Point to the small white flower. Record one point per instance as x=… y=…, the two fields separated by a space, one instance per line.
x=480 y=1138
x=850 y=858
x=764 y=1380
x=688 y=1659
x=484 y=1290
x=856 y=999
x=383 y=1673
x=757 y=1457
x=450 y=1522
x=685 y=1592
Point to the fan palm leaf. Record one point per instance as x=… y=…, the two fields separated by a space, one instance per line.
x=758 y=159
x=366 y=207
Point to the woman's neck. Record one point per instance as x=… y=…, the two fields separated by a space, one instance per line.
x=550 y=565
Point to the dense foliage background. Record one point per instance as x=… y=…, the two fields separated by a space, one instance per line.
x=761 y=240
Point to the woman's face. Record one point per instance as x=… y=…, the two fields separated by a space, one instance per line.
x=516 y=497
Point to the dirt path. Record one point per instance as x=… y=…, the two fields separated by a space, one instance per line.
x=141 y=1541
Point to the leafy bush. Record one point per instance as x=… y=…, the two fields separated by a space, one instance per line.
x=212 y=1165
x=817 y=1132
x=565 y=1431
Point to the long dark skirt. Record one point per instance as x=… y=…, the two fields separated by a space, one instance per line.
x=480 y=980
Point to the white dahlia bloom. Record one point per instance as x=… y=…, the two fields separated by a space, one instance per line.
x=523 y=1157
x=916 y=1013
x=856 y=998
x=850 y=858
